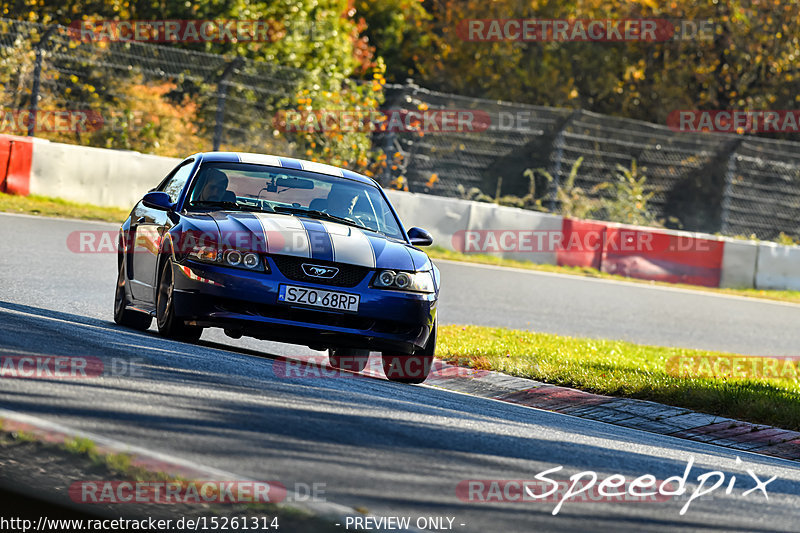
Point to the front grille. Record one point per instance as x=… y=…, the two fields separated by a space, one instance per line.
x=298 y=315
x=348 y=275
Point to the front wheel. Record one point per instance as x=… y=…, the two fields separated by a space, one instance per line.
x=351 y=359
x=124 y=316
x=411 y=368
x=170 y=325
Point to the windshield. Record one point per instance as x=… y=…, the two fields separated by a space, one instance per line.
x=251 y=187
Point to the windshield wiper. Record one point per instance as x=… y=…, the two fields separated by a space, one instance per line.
x=316 y=214
x=213 y=203
x=229 y=205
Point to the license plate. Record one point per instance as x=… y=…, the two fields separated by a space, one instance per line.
x=339 y=301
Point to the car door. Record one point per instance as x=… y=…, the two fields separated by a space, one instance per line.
x=148 y=226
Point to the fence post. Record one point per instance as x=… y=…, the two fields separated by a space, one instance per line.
x=555 y=169
x=222 y=94
x=730 y=173
x=37 y=74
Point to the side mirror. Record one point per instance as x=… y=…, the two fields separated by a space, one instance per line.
x=420 y=237
x=158 y=200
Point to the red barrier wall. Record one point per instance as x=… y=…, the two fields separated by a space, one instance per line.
x=648 y=253
x=582 y=243
x=5 y=152
x=16 y=173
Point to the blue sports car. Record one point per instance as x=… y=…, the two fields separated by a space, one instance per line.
x=281 y=249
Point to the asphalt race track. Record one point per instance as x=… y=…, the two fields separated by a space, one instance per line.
x=392 y=449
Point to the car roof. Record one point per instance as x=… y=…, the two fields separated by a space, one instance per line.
x=282 y=161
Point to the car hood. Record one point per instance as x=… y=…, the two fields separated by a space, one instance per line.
x=299 y=236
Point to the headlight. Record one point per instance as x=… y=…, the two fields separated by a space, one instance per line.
x=233 y=258
x=405 y=281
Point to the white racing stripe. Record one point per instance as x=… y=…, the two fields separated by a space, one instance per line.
x=321 y=168
x=260 y=159
x=350 y=245
x=284 y=235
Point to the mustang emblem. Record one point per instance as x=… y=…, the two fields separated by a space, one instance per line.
x=317 y=271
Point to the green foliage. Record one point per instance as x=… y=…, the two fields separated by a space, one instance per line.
x=628 y=201
x=787 y=240
x=574 y=201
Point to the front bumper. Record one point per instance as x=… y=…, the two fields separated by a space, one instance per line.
x=246 y=302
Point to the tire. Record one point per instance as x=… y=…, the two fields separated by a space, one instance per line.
x=351 y=359
x=411 y=368
x=169 y=325
x=122 y=315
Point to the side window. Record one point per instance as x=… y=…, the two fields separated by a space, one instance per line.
x=174 y=185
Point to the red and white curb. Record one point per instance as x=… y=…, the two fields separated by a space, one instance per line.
x=636 y=414
x=154 y=461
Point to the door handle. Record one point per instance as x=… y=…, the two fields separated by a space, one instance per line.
x=140 y=220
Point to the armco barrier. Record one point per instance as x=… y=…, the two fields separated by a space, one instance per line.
x=662 y=255
x=500 y=219
x=778 y=267
x=738 y=264
x=95 y=175
x=15 y=164
x=590 y=235
x=442 y=217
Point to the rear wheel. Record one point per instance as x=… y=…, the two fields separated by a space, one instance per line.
x=124 y=316
x=351 y=359
x=411 y=368
x=170 y=325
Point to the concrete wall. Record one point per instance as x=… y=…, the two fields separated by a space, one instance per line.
x=739 y=264
x=443 y=217
x=778 y=267
x=95 y=175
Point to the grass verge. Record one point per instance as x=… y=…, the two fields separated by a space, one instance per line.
x=55 y=207
x=437 y=252
x=624 y=369
x=84 y=455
